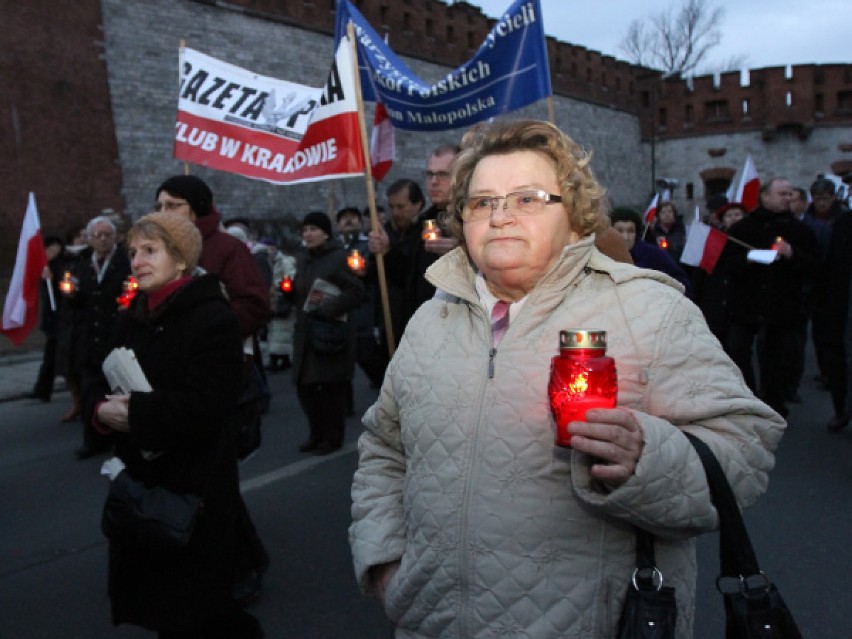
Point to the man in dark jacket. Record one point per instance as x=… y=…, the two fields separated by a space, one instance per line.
x=230 y=259
x=768 y=299
x=100 y=274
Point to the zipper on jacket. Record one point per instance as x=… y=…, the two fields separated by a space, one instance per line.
x=491 y=355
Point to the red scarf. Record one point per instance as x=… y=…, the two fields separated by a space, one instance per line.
x=155 y=298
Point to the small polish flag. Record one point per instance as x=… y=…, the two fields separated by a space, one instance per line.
x=651 y=211
x=20 y=312
x=382 y=145
x=704 y=245
x=749 y=188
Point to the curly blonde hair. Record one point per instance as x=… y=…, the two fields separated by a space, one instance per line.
x=583 y=198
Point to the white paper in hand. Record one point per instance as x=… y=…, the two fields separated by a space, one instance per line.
x=762 y=256
x=123 y=372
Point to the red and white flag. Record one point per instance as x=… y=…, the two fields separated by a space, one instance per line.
x=234 y=120
x=704 y=245
x=749 y=188
x=651 y=211
x=20 y=313
x=382 y=143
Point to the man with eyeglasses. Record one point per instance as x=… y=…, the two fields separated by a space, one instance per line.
x=230 y=259
x=401 y=241
x=100 y=275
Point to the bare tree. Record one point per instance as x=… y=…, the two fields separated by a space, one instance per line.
x=675 y=40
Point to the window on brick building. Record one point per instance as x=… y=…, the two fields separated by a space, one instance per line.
x=471 y=40
x=574 y=69
x=588 y=75
x=383 y=15
x=819 y=76
x=687 y=115
x=406 y=21
x=662 y=119
x=819 y=105
x=429 y=27
x=450 y=33
x=618 y=83
x=716 y=111
x=844 y=102
x=788 y=99
x=746 y=108
x=646 y=99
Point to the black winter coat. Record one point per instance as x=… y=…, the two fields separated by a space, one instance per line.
x=95 y=307
x=770 y=293
x=190 y=350
x=329 y=263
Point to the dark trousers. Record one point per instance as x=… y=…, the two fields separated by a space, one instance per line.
x=325 y=407
x=250 y=553
x=776 y=361
x=43 y=388
x=372 y=357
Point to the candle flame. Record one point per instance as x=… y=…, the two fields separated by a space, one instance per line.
x=580 y=384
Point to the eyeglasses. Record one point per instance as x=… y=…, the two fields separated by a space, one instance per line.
x=438 y=175
x=102 y=235
x=481 y=207
x=171 y=205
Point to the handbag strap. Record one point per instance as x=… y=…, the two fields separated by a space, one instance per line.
x=736 y=553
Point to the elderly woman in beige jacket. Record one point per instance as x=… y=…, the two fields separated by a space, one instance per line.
x=467 y=520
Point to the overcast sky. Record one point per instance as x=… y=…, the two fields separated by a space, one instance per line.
x=767 y=32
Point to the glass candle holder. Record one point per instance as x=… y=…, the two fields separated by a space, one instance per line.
x=430 y=230
x=68 y=283
x=582 y=377
x=286 y=284
x=129 y=288
x=355 y=260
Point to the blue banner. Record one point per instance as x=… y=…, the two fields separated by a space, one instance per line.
x=509 y=71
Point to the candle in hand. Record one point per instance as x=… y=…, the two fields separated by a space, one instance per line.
x=581 y=377
x=430 y=230
x=355 y=260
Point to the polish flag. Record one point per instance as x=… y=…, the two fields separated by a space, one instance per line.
x=20 y=313
x=749 y=188
x=382 y=146
x=651 y=211
x=704 y=245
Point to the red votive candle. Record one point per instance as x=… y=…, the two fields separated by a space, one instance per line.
x=582 y=377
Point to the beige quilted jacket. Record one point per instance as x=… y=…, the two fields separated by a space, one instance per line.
x=500 y=533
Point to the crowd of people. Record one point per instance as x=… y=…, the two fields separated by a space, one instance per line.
x=466 y=518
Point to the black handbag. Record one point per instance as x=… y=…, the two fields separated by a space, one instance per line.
x=650 y=608
x=754 y=608
x=327 y=336
x=152 y=518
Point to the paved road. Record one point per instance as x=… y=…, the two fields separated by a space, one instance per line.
x=52 y=556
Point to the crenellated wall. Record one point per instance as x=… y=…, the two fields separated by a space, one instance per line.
x=768 y=100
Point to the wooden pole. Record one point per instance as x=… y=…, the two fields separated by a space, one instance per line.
x=371 y=192
x=551 y=113
x=182 y=45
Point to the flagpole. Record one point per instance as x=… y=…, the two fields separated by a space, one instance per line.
x=551 y=113
x=50 y=294
x=182 y=45
x=371 y=192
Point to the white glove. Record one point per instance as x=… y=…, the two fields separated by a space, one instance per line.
x=112 y=467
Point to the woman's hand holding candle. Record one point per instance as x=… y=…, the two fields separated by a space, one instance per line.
x=612 y=435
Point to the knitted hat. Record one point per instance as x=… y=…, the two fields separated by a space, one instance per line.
x=193 y=190
x=319 y=220
x=182 y=235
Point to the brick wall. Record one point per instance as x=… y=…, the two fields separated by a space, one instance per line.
x=56 y=129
